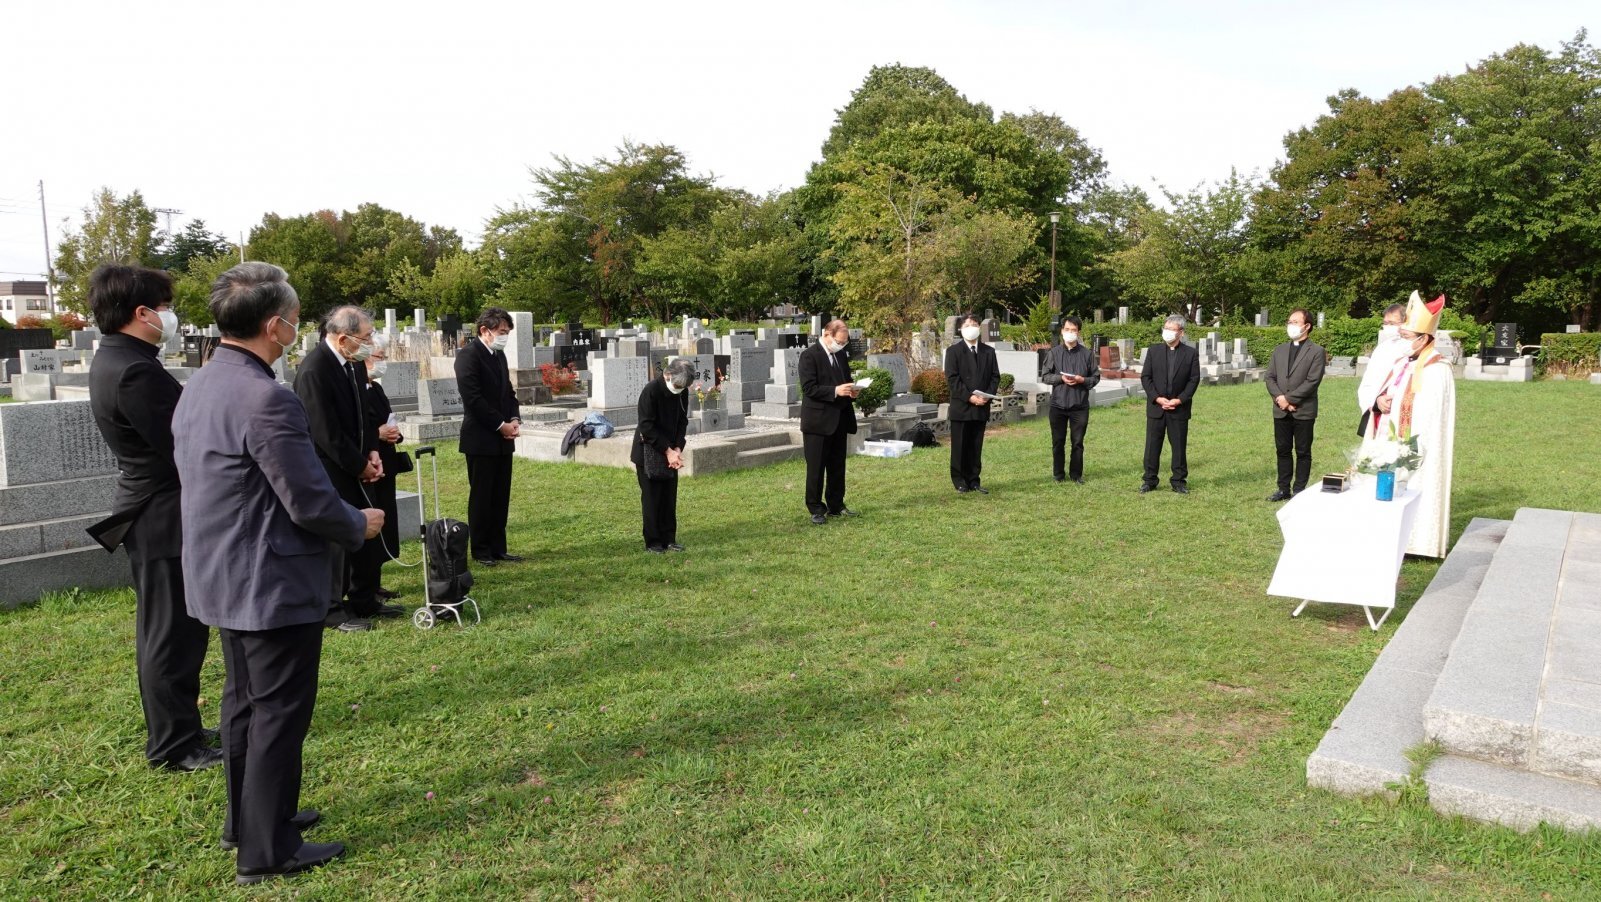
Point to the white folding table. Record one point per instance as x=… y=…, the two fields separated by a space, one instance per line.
x=1343 y=548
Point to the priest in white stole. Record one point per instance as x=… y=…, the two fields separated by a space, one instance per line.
x=1419 y=398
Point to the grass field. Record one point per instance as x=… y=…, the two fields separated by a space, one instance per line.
x=1052 y=691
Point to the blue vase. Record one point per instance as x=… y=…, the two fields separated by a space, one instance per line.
x=1385 y=490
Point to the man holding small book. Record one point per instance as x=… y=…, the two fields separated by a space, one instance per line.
x=974 y=375
x=828 y=417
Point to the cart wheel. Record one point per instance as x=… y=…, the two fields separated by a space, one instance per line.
x=423 y=619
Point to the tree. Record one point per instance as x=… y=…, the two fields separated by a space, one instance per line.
x=1192 y=256
x=982 y=253
x=115 y=230
x=747 y=257
x=897 y=96
x=191 y=289
x=174 y=252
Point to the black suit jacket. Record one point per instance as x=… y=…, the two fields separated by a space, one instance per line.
x=663 y=419
x=1180 y=383
x=967 y=372
x=822 y=412
x=1297 y=383
x=332 y=396
x=132 y=398
x=484 y=381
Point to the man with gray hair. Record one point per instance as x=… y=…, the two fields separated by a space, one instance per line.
x=261 y=522
x=331 y=382
x=1171 y=373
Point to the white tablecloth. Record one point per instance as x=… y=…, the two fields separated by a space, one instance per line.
x=1344 y=548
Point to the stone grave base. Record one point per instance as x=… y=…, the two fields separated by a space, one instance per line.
x=1476 y=370
x=769 y=411
x=1496 y=664
x=429 y=429
x=728 y=449
x=620 y=416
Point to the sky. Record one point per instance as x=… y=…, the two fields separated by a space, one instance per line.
x=228 y=111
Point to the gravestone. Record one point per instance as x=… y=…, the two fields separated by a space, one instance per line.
x=419 y=318
x=520 y=343
x=1023 y=365
x=617 y=382
x=782 y=395
x=1122 y=315
x=389 y=323
x=50 y=441
x=400 y=381
x=898 y=370
x=43 y=362
x=1262 y=319
x=439 y=398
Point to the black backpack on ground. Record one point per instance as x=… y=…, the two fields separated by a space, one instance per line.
x=448 y=577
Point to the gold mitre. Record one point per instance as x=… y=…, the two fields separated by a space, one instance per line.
x=1423 y=317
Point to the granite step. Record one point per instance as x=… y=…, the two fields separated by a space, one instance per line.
x=1567 y=730
x=41 y=536
x=1486 y=702
x=1363 y=752
x=766 y=438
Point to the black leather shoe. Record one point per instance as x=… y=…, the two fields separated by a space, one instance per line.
x=1182 y=489
x=961 y=490
x=509 y=558
x=388 y=594
x=818 y=519
x=1059 y=478
x=303 y=820
x=354 y=625
x=486 y=562
x=979 y=489
x=656 y=549
x=674 y=546
x=1280 y=496
x=211 y=737
x=842 y=512
x=1079 y=480
x=387 y=611
x=311 y=855
x=199 y=759
x=1147 y=488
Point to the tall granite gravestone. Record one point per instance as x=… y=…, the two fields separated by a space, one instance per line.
x=896 y=366
x=616 y=383
x=439 y=412
x=783 y=393
x=400 y=383
x=41 y=362
x=745 y=380
x=57 y=477
x=520 y=343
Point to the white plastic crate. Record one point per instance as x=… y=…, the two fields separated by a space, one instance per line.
x=889 y=448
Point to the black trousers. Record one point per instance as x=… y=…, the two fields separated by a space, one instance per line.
x=1288 y=431
x=1177 y=432
x=825 y=471
x=383 y=497
x=967 y=452
x=1060 y=421
x=355 y=584
x=267 y=703
x=169 y=647
x=488 y=503
x=658 y=502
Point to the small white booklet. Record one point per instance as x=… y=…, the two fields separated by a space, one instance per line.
x=863 y=383
x=985 y=395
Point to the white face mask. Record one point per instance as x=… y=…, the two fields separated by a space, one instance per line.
x=970 y=333
x=376 y=369
x=675 y=389
x=168 y=327
x=1169 y=335
x=1390 y=333
x=363 y=349
x=499 y=341
x=828 y=346
x=294 y=330
x=1293 y=331
x=1070 y=338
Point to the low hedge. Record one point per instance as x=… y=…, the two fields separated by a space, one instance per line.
x=1574 y=353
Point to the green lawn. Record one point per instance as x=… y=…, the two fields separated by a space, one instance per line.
x=1052 y=691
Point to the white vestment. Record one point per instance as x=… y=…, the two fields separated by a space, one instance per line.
x=1434 y=423
x=1380 y=363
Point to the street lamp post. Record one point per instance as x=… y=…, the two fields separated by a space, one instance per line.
x=1056 y=299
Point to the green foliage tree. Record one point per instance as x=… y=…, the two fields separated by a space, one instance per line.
x=114 y=230
x=191 y=289
x=1193 y=257
x=173 y=252
x=747 y=257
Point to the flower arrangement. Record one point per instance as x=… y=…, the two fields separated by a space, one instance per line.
x=559 y=379
x=709 y=396
x=1400 y=455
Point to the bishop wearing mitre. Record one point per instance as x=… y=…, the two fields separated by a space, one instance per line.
x=1419 y=398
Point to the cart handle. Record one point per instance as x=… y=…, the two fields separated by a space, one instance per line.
x=424 y=451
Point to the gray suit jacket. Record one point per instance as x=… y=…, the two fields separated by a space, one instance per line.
x=1298 y=383
x=259 y=513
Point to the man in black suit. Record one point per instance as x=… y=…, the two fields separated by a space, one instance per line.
x=331 y=382
x=970 y=368
x=827 y=418
x=489 y=431
x=1171 y=374
x=1293 y=377
x=133 y=398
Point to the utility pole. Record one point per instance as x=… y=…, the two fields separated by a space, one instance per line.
x=49 y=265
x=241 y=246
x=169 y=211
